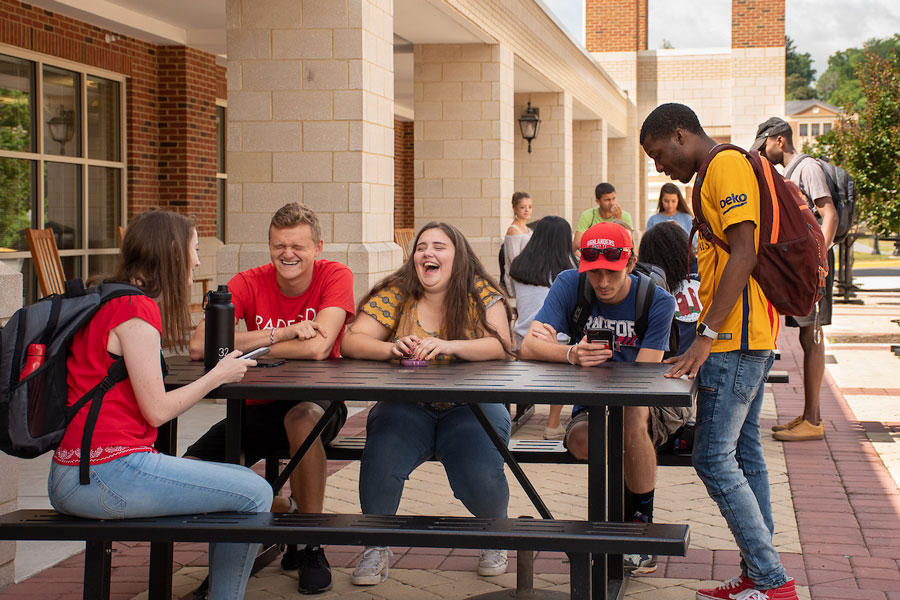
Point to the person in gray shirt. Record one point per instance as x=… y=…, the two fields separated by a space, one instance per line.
x=774 y=140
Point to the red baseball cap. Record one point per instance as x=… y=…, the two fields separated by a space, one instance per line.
x=606 y=238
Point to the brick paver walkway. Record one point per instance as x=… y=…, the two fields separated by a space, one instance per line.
x=836 y=506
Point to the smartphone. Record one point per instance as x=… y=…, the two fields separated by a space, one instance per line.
x=254 y=354
x=600 y=334
x=267 y=363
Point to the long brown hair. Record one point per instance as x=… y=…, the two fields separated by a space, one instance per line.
x=671 y=188
x=155 y=256
x=456 y=322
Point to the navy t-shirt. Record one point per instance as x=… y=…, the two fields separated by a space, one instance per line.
x=563 y=299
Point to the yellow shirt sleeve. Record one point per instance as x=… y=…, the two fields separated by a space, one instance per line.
x=384 y=306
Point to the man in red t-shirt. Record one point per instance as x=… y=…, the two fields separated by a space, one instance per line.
x=297 y=306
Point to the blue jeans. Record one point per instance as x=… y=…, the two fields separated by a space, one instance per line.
x=729 y=458
x=400 y=437
x=144 y=484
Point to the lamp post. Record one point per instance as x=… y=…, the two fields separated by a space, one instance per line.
x=62 y=127
x=529 y=123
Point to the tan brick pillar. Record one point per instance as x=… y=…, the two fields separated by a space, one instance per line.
x=757 y=66
x=589 y=139
x=310 y=99
x=10 y=302
x=464 y=133
x=546 y=173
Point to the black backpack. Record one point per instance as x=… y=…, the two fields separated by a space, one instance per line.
x=842 y=189
x=33 y=411
x=649 y=278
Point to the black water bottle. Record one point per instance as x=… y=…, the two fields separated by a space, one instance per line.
x=219 y=313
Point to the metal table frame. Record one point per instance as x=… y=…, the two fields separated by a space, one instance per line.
x=605 y=390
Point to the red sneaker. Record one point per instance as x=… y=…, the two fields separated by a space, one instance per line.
x=786 y=591
x=729 y=590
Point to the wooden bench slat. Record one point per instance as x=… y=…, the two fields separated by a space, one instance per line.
x=358 y=530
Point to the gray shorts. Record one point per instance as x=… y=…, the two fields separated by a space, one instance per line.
x=664 y=421
x=822 y=310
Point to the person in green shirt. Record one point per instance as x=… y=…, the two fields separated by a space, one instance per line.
x=606 y=210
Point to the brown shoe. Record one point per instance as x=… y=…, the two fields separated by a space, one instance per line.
x=803 y=432
x=788 y=425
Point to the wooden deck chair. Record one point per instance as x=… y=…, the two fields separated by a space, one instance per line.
x=47 y=264
x=120 y=234
x=403 y=237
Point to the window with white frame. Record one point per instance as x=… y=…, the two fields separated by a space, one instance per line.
x=62 y=162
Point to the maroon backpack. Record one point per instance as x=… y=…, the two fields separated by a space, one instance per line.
x=791 y=259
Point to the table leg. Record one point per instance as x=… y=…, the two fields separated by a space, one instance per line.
x=616 y=483
x=97 y=569
x=305 y=446
x=161 y=555
x=510 y=460
x=579 y=576
x=234 y=426
x=597 y=492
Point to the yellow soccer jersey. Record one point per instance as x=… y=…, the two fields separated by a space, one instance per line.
x=730 y=195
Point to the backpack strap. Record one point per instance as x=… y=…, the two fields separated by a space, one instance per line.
x=794 y=164
x=643 y=298
x=116 y=373
x=586 y=298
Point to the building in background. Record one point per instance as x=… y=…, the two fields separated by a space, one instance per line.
x=809 y=119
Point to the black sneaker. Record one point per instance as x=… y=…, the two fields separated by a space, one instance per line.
x=290 y=560
x=314 y=572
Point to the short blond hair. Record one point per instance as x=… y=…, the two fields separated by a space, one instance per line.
x=294 y=214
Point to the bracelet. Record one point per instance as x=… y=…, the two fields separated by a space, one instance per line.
x=271 y=337
x=568 y=353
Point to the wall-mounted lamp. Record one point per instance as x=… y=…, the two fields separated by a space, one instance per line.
x=111 y=37
x=529 y=123
x=62 y=127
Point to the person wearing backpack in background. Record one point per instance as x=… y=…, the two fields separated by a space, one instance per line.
x=667 y=247
x=774 y=140
x=128 y=478
x=606 y=210
x=732 y=353
x=607 y=259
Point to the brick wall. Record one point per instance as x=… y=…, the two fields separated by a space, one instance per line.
x=615 y=25
x=404 y=177
x=200 y=81
x=757 y=23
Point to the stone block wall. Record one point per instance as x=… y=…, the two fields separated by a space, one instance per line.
x=10 y=302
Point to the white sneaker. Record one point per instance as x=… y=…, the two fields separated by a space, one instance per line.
x=555 y=433
x=492 y=562
x=373 y=566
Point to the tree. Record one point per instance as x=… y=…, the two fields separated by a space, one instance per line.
x=798 y=73
x=868 y=148
x=15 y=174
x=839 y=84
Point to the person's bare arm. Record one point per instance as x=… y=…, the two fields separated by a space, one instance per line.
x=139 y=343
x=576 y=242
x=367 y=338
x=308 y=340
x=539 y=347
x=485 y=347
x=828 y=212
x=735 y=277
x=649 y=355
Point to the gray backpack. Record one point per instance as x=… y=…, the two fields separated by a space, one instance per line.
x=33 y=409
x=842 y=189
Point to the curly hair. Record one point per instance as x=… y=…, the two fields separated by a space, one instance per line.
x=456 y=322
x=666 y=245
x=666 y=118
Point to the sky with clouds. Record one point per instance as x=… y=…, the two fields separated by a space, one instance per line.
x=820 y=27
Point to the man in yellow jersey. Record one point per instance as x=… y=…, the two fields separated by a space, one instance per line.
x=732 y=352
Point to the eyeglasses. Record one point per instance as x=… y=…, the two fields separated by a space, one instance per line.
x=610 y=254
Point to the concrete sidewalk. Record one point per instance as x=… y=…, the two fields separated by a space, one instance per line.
x=836 y=502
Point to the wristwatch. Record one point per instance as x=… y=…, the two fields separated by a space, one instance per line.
x=703 y=329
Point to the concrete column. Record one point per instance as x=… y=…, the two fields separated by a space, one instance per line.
x=10 y=302
x=589 y=157
x=464 y=141
x=310 y=118
x=546 y=173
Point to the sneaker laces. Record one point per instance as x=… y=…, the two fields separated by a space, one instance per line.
x=733 y=583
x=373 y=556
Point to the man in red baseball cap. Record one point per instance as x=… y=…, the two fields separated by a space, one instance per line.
x=607 y=258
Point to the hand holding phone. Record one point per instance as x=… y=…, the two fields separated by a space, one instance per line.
x=254 y=354
x=600 y=334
